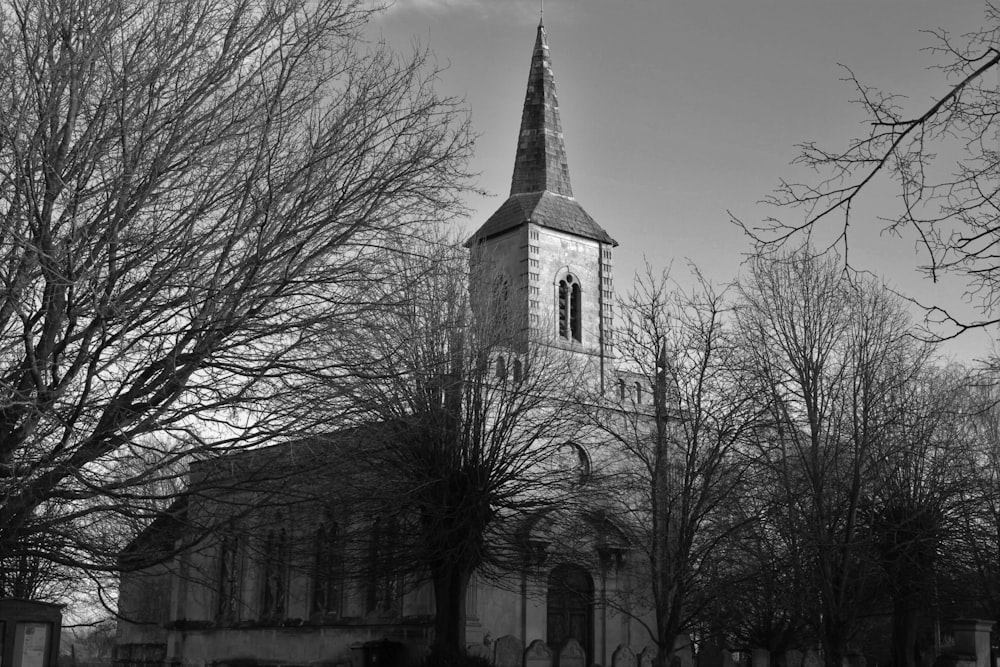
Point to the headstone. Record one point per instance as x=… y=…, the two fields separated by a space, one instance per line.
x=478 y=650
x=711 y=655
x=508 y=651
x=648 y=656
x=538 y=655
x=683 y=653
x=794 y=658
x=811 y=659
x=572 y=654
x=760 y=657
x=623 y=657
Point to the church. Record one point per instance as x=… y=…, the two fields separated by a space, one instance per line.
x=236 y=598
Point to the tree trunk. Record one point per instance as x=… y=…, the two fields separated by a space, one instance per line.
x=450 y=586
x=834 y=643
x=664 y=656
x=905 y=621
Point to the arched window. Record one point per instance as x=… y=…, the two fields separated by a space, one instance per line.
x=621 y=389
x=573 y=461
x=501 y=368
x=570 y=309
x=638 y=392
x=518 y=371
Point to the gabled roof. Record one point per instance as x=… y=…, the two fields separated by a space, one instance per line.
x=540 y=190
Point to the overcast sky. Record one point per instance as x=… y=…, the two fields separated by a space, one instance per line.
x=677 y=111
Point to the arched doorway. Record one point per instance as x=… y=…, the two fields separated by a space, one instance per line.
x=570 y=602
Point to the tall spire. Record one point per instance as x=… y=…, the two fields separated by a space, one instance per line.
x=540 y=163
x=540 y=191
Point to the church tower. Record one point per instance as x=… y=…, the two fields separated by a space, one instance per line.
x=540 y=249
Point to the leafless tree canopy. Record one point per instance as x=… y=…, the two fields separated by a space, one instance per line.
x=677 y=426
x=188 y=190
x=942 y=161
x=834 y=359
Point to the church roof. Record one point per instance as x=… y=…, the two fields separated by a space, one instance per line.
x=547 y=209
x=540 y=190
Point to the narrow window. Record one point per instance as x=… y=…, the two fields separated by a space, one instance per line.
x=518 y=371
x=638 y=392
x=326 y=572
x=382 y=585
x=501 y=368
x=621 y=390
x=272 y=598
x=500 y=315
x=570 y=309
x=227 y=604
x=576 y=316
x=563 y=309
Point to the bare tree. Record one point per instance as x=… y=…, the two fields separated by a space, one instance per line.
x=977 y=585
x=187 y=190
x=677 y=421
x=942 y=158
x=469 y=407
x=919 y=500
x=830 y=354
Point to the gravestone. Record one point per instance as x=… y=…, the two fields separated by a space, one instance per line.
x=572 y=654
x=648 y=656
x=794 y=658
x=623 y=657
x=811 y=659
x=538 y=655
x=508 y=651
x=683 y=653
x=478 y=650
x=711 y=655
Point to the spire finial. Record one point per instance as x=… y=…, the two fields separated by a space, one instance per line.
x=541 y=12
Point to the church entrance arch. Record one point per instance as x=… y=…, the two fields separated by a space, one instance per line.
x=570 y=602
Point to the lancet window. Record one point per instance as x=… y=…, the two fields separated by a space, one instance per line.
x=569 y=307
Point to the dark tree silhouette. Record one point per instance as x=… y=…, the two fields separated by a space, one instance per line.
x=187 y=190
x=472 y=407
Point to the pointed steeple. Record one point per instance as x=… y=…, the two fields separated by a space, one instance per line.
x=540 y=163
x=540 y=191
